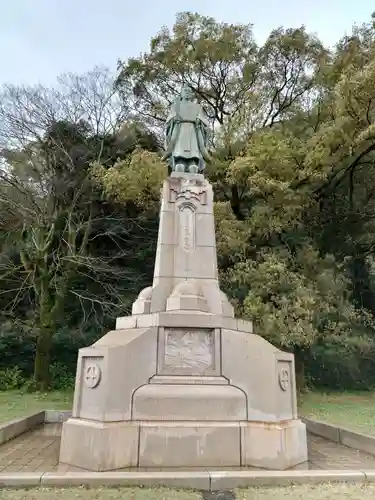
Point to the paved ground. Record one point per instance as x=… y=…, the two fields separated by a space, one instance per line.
x=325 y=454
x=38 y=450
x=32 y=451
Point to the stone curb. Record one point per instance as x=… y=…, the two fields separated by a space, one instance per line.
x=16 y=427
x=245 y=479
x=178 y=479
x=340 y=435
x=204 y=481
x=56 y=416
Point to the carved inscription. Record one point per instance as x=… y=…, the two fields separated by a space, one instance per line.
x=187 y=228
x=187 y=350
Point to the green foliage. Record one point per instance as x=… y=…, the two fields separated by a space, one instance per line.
x=341 y=365
x=11 y=378
x=296 y=300
x=137 y=179
x=17 y=346
x=17 y=351
x=61 y=378
x=293 y=128
x=216 y=59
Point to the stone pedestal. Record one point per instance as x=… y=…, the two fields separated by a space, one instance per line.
x=181 y=382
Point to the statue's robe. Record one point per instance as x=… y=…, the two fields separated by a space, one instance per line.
x=184 y=130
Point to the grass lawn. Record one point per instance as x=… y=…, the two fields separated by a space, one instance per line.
x=354 y=410
x=15 y=404
x=305 y=492
x=99 y=494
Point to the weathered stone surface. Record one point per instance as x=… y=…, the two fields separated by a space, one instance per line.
x=189 y=444
x=127 y=361
x=195 y=402
x=273 y=446
x=99 y=446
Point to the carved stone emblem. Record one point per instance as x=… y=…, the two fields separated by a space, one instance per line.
x=284 y=379
x=188 y=190
x=192 y=192
x=92 y=375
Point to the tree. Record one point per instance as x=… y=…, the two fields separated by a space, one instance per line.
x=63 y=244
x=216 y=60
x=309 y=182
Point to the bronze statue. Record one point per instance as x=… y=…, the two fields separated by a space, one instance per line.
x=186 y=135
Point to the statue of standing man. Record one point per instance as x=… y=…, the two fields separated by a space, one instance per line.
x=186 y=135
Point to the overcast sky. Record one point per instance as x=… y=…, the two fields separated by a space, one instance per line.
x=40 y=39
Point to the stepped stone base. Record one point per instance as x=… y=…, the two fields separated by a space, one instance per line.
x=109 y=446
x=182 y=382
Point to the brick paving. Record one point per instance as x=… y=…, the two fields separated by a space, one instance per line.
x=325 y=454
x=38 y=451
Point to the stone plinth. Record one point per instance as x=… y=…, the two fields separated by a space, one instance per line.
x=181 y=382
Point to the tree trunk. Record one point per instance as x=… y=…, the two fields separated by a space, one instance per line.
x=43 y=360
x=300 y=370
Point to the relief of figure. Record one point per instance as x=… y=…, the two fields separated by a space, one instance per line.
x=186 y=135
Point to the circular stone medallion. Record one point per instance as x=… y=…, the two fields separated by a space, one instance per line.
x=93 y=375
x=284 y=379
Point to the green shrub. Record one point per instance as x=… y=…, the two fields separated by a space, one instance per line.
x=11 y=378
x=17 y=347
x=17 y=350
x=339 y=365
x=61 y=377
x=66 y=344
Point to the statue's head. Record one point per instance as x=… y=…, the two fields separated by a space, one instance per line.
x=186 y=93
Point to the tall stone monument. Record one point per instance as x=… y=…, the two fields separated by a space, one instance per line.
x=182 y=382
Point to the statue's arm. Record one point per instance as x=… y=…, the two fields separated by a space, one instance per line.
x=205 y=132
x=203 y=136
x=203 y=147
x=171 y=134
x=169 y=129
x=170 y=123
